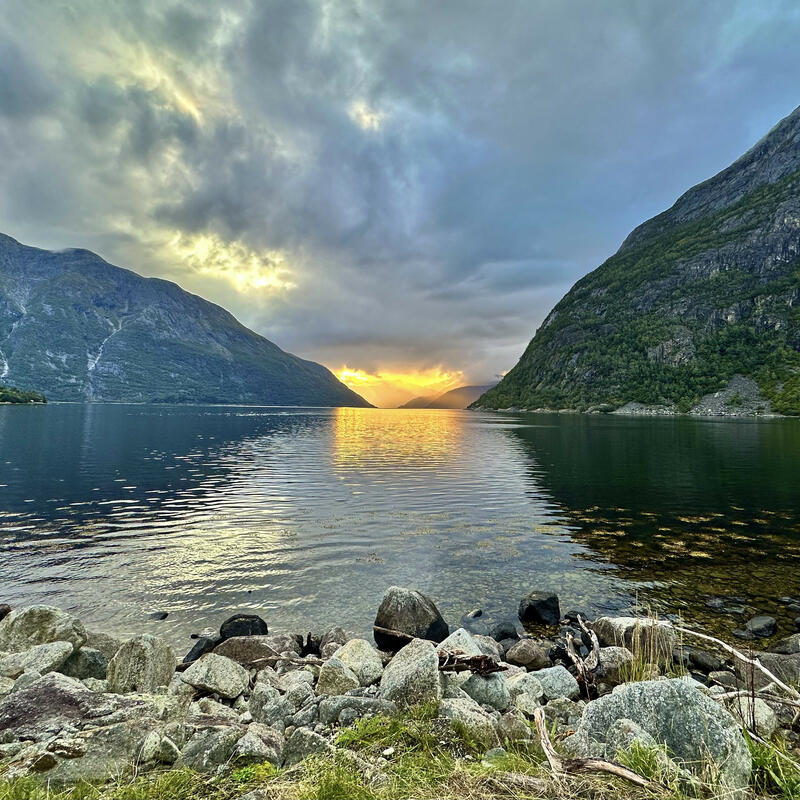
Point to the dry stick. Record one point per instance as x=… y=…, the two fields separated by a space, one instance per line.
x=752 y=661
x=592 y=661
x=561 y=765
x=773 y=698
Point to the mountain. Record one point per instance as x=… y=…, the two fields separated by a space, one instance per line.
x=702 y=299
x=418 y=402
x=455 y=398
x=459 y=398
x=77 y=328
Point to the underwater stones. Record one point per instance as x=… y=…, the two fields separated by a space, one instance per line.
x=540 y=608
x=759 y=627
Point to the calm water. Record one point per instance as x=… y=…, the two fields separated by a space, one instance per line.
x=306 y=515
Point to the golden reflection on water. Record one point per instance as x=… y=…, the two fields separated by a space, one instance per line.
x=381 y=439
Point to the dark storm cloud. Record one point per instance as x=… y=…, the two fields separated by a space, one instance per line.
x=436 y=175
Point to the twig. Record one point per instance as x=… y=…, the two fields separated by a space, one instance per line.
x=389 y=632
x=742 y=657
x=592 y=661
x=459 y=662
x=561 y=765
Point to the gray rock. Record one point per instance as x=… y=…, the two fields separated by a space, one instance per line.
x=754 y=714
x=564 y=712
x=217 y=674
x=693 y=727
x=243 y=625
x=557 y=682
x=540 y=608
x=211 y=708
x=789 y=645
x=303 y=743
x=85 y=663
x=760 y=627
x=268 y=707
x=142 y=664
x=512 y=727
x=289 y=680
x=460 y=641
x=337 y=636
x=527 y=653
x=29 y=626
x=363 y=659
x=411 y=613
x=104 y=642
x=159 y=748
x=489 y=646
x=526 y=692
x=259 y=744
x=645 y=637
x=6 y=685
x=25 y=680
x=784 y=667
x=615 y=664
x=475 y=720
x=491 y=690
x=412 y=676
x=335 y=677
x=330 y=708
x=41 y=658
x=211 y=747
x=247 y=650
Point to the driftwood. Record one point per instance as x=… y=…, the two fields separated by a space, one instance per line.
x=459 y=662
x=562 y=766
x=586 y=667
x=742 y=657
x=389 y=632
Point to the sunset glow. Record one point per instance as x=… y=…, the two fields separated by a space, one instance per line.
x=392 y=388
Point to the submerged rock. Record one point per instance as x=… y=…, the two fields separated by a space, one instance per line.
x=540 y=607
x=409 y=612
x=760 y=627
x=243 y=625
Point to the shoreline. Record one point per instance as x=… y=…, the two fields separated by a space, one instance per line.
x=80 y=705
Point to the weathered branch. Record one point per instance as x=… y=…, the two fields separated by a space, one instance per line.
x=742 y=657
x=561 y=765
x=459 y=662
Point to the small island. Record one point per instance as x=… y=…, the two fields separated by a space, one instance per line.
x=10 y=394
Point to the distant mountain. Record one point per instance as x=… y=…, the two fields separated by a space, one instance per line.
x=77 y=328
x=455 y=398
x=418 y=402
x=700 y=303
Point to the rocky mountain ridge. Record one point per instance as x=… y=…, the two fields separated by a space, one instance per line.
x=77 y=328
x=706 y=291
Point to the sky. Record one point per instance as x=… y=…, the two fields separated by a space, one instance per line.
x=398 y=189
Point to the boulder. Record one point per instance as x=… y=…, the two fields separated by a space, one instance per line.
x=258 y=745
x=303 y=743
x=142 y=664
x=460 y=641
x=267 y=706
x=248 y=650
x=784 y=667
x=41 y=658
x=363 y=659
x=490 y=690
x=557 y=682
x=211 y=747
x=217 y=674
x=331 y=708
x=85 y=663
x=5 y=610
x=760 y=627
x=104 y=642
x=412 y=676
x=647 y=638
x=789 y=645
x=489 y=646
x=411 y=613
x=335 y=677
x=692 y=726
x=243 y=625
x=202 y=645
x=29 y=626
x=528 y=654
x=513 y=727
x=564 y=712
x=540 y=608
x=526 y=693
x=614 y=665
x=475 y=721
x=505 y=629
x=754 y=714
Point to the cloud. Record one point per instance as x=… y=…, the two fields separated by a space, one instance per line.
x=399 y=188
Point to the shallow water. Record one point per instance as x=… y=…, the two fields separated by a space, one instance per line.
x=306 y=515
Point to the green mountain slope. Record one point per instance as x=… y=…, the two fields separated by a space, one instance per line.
x=80 y=329
x=705 y=291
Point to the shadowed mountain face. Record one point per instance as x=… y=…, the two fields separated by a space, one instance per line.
x=77 y=328
x=454 y=399
x=704 y=291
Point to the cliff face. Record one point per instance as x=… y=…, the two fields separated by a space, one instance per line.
x=77 y=328
x=707 y=290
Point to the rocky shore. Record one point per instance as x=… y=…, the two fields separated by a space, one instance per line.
x=78 y=705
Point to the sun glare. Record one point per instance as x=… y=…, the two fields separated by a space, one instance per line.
x=391 y=388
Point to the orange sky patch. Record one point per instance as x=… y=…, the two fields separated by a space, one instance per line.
x=391 y=388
